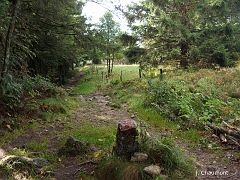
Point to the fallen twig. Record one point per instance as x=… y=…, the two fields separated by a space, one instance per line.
x=77 y=170
x=235 y=141
x=82 y=164
x=227 y=131
x=231 y=127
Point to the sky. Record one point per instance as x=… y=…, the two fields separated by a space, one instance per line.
x=95 y=11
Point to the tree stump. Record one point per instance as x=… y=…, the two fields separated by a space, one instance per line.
x=126 y=139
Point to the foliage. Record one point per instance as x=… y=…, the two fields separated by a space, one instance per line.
x=3 y=4
x=59 y=38
x=39 y=38
x=194 y=99
x=110 y=31
x=17 y=93
x=132 y=51
x=187 y=31
x=28 y=43
x=134 y=54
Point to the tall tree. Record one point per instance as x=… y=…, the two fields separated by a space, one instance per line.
x=132 y=50
x=60 y=30
x=110 y=31
x=9 y=36
x=41 y=37
x=187 y=30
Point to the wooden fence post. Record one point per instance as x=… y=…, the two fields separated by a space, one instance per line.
x=161 y=74
x=107 y=78
x=102 y=76
x=121 y=76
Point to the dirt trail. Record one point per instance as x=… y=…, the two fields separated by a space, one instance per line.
x=99 y=109
x=95 y=108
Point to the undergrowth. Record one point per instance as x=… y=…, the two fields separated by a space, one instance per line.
x=193 y=99
x=163 y=152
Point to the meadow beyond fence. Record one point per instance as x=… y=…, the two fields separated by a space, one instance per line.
x=123 y=72
x=119 y=72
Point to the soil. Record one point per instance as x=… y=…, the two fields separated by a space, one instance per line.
x=101 y=113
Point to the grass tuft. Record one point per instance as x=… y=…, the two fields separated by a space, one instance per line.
x=114 y=168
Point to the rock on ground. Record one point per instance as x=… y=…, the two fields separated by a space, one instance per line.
x=153 y=170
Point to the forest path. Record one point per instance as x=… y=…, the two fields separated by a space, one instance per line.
x=100 y=110
x=96 y=109
x=209 y=165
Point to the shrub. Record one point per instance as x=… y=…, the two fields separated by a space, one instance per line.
x=10 y=92
x=197 y=98
x=15 y=93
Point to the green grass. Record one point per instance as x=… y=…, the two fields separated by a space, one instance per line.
x=38 y=146
x=89 y=82
x=102 y=137
x=85 y=87
x=92 y=79
x=191 y=136
x=55 y=107
x=128 y=72
x=117 y=169
x=162 y=152
x=51 y=157
x=19 y=152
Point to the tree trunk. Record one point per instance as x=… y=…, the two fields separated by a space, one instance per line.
x=6 y=58
x=112 y=63
x=109 y=67
x=184 y=50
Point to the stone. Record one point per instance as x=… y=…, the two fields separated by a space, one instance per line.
x=108 y=98
x=73 y=147
x=139 y=157
x=39 y=162
x=133 y=116
x=127 y=124
x=153 y=170
x=36 y=162
x=81 y=98
x=172 y=117
x=2 y=153
x=93 y=148
x=211 y=168
x=126 y=143
x=113 y=105
x=36 y=153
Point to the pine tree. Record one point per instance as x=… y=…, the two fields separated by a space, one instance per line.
x=188 y=30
